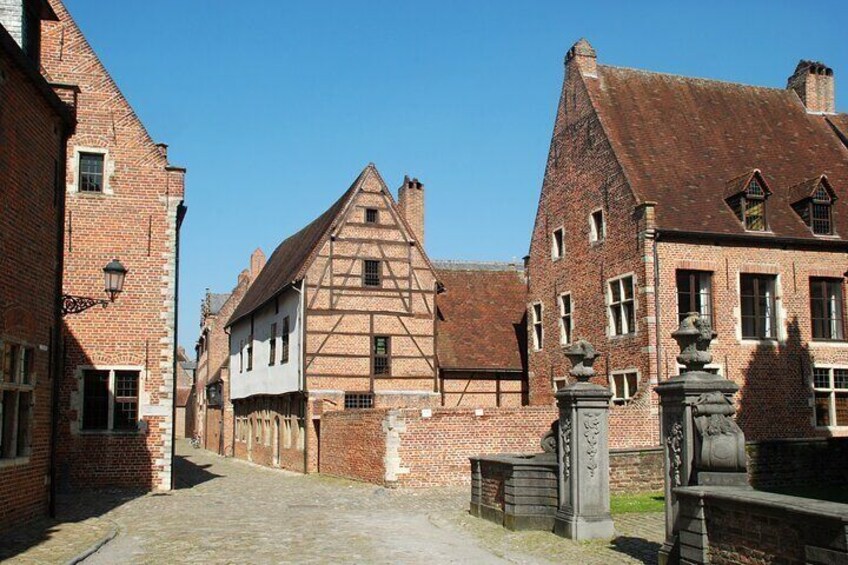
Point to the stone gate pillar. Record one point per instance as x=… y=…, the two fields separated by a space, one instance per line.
x=583 y=452
x=701 y=442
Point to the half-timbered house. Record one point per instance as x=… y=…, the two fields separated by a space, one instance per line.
x=342 y=317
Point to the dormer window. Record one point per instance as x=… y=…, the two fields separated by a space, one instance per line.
x=813 y=201
x=747 y=196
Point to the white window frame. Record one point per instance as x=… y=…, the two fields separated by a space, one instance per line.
x=110 y=420
x=559 y=383
x=538 y=337
x=777 y=289
x=831 y=390
x=594 y=234
x=628 y=394
x=558 y=251
x=626 y=331
x=562 y=315
x=108 y=170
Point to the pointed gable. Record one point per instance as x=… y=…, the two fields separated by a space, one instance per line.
x=817 y=188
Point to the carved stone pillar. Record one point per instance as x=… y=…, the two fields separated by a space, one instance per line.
x=583 y=452
x=701 y=441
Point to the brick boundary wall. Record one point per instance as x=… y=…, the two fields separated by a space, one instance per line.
x=790 y=462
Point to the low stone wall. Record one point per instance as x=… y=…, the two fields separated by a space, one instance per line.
x=721 y=525
x=798 y=462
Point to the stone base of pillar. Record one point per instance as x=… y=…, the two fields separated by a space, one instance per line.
x=583 y=527
x=718 y=479
x=669 y=553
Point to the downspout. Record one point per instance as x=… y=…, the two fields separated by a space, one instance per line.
x=657 y=323
x=222 y=447
x=301 y=377
x=181 y=212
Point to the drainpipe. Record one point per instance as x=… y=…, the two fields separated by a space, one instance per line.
x=301 y=376
x=657 y=304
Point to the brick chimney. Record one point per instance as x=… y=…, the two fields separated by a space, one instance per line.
x=582 y=58
x=257 y=261
x=411 y=203
x=813 y=81
x=22 y=19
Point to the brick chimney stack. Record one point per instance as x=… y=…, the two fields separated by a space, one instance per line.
x=257 y=261
x=813 y=81
x=582 y=58
x=411 y=203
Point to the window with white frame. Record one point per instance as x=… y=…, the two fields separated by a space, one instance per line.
x=759 y=308
x=597 y=226
x=622 y=309
x=565 y=325
x=623 y=386
x=694 y=294
x=91 y=167
x=110 y=399
x=830 y=389
x=538 y=332
x=558 y=244
x=826 y=308
x=16 y=399
x=560 y=383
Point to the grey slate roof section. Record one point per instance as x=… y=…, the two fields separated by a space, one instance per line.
x=459 y=265
x=217 y=301
x=189 y=365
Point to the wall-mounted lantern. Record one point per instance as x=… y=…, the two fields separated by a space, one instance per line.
x=114 y=274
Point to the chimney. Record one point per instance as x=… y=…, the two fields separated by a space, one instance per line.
x=582 y=58
x=257 y=261
x=813 y=81
x=411 y=203
x=22 y=19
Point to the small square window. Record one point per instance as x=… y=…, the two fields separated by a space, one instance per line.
x=597 y=226
x=558 y=244
x=624 y=386
x=371 y=215
x=358 y=400
x=380 y=355
x=91 y=172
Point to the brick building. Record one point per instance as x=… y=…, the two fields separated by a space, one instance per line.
x=214 y=413
x=481 y=334
x=34 y=126
x=125 y=201
x=666 y=194
x=184 y=412
x=341 y=317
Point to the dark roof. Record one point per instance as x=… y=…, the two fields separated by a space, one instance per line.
x=839 y=123
x=481 y=318
x=291 y=257
x=216 y=301
x=681 y=141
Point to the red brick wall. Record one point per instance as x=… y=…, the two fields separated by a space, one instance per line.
x=353 y=445
x=135 y=220
x=32 y=140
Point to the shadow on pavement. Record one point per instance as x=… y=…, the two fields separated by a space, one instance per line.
x=189 y=474
x=637 y=548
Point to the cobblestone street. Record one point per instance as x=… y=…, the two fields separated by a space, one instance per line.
x=228 y=511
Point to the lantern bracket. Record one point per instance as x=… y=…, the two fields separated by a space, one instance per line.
x=76 y=304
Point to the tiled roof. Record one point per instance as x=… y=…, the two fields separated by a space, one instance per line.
x=481 y=317
x=217 y=300
x=839 y=123
x=183 y=395
x=681 y=141
x=290 y=258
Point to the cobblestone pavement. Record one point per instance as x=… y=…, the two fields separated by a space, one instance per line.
x=228 y=511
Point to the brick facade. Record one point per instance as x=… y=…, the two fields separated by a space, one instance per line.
x=134 y=216
x=34 y=125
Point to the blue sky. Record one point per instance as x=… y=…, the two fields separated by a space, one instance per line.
x=276 y=106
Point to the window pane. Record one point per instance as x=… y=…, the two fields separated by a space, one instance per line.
x=628 y=317
x=9 y=409
x=755 y=215
x=10 y=362
x=371 y=215
x=632 y=384
x=371 y=270
x=627 y=284
x=618 y=386
x=821 y=377
x=24 y=400
x=822 y=409
x=840 y=378
x=95 y=414
x=91 y=172
x=841 y=409
x=821 y=219
x=126 y=400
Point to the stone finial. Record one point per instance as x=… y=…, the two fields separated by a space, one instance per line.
x=582 y=355
x=694 y=336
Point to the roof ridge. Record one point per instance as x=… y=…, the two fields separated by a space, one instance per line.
x=463 y=265
x=694 y=79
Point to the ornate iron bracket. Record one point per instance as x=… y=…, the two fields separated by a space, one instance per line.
x=76 y=304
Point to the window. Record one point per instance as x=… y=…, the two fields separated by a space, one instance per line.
x=624 y=386
x=830 y=386
x=694 y=294
x=565 y=319
x=241 y=356
x=753 y=206
x=538 y=332
x=91 y=172
x=358 y=400
x=621 y=306
x=110 y=399
x=371 y=215
x=380 y=355
x=284 y=356
x=558 y=244
x=759 y=317
x=820 y=211
x=371 y=272
x=16 y=399
x=272 y=345
x=597 y=227
x=827 y=309
x=250 y=352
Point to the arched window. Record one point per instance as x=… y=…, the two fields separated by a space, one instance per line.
x=820 y=211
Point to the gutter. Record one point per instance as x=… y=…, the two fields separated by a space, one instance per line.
x=747 y=239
